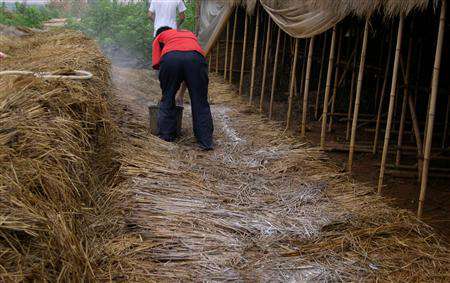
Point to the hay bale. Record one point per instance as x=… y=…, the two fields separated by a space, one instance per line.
x=59 y=207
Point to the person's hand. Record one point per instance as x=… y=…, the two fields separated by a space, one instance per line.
x=2 y=56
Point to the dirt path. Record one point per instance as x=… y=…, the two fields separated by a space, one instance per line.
x=261 y=206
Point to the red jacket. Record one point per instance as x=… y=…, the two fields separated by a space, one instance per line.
x=174 y=40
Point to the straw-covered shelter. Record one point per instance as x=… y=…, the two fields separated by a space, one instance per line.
x=346 y=72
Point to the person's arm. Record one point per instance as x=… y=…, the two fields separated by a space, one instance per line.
x=2 y=56
x=156 y=52
x=181 y=13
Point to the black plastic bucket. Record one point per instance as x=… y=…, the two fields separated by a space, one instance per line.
x=153 y=111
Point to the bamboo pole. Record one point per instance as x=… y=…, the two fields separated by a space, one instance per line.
x=292 y=85
x=327 y=89
x=431 y=113
x=255 y=51
x=306 y=91
x=225 y=67
x=209 y=62
x=391 y=102
x=285 y=39
x=319 y=85
x=233 y=45
x=405 y=100
x=244 y=52
x=266 y=57
x=359 y=86
x=274 y=75
x=352 y=90
x=416 y=129
x=382 y=95
x=304 y=59
x=335 y=84
x=217 y=56
x=444 y=135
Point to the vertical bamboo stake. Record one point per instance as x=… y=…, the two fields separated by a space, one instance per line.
x=217 y=55
x=383 y=91
x=226 y=52
x=209 y=62
x=255 y=51
x=335 y=85
x=358 y=94
x=447 y=113
x=266 y=57
x=431 y=113
x=404 y=102
x=233 y=45
x=319 y=85
x=285 y=39
x=352 y=91
x=391 y=102
x=304 y=62
x=306 y=91
x=292 y=85
x=244 y=51
x=415 y=123
x=327 y=89
x=274 y=75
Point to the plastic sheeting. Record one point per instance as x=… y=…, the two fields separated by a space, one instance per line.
x=214 y=14
x=299 y=19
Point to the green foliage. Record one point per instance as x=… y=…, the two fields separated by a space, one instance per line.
x=27 y=16
x=123 y=25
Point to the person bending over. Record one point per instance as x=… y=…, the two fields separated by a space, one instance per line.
x=179 y=58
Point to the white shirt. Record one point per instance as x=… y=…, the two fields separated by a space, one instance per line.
x=166 y=12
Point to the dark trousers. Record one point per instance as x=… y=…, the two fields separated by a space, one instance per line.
x=192 y=68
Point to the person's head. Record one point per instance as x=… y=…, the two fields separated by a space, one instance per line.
x=161 y=30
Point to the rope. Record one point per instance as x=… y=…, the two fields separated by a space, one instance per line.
x=78 y=75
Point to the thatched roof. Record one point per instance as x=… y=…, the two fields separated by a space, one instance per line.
x=361 y=8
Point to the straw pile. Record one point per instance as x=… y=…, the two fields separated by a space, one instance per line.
x=61 y=212
x=264 y=207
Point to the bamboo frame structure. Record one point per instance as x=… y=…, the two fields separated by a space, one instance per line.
x=319 y=85
x=327 y=89
x=391 y=102
x=302 y=76
x=244 y=53
x=217 y=56
x=358 y=94
x=336 y=77
x=292 y=85
x=233 y=43
x=255 y=50
x=432 y=109
x=266 y=57
x=405 y=100
x=383 y=93
x=274 y=75
x=226 y=52
x=352 y=92
x=306 y=91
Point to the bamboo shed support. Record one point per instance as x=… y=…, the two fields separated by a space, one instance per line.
x=352 y=92
x=233 y=45
x=292 y=85
x=359 y=86
x=416 y=130
x=244 y=53
x=319 y=84
x=225 y=67
x=306 y=91
x=404 y=101
x=327 y=89
x=391 y=102
x=217 y=56
x=382 y=95
x=432 y=110
x=266 y=58
x=255 y=51
x=274 y=75
x=336 y=79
